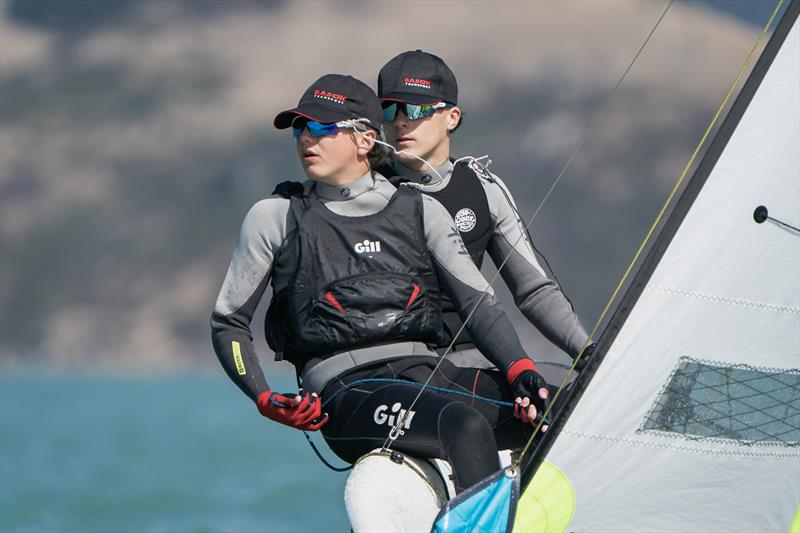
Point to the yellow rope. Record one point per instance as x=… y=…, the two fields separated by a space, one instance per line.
x=654 y=225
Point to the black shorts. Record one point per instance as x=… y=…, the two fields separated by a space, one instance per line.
x=365 y=404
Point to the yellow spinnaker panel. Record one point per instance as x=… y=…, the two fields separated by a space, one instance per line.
x=795 y=527
x=547 y=505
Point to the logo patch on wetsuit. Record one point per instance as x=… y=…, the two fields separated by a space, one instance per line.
x=367 y=246
x=465 y=220
x=395 y=413
x=237 y=358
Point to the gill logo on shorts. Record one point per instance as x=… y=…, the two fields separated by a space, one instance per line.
x=367 y=246
x=381 y=417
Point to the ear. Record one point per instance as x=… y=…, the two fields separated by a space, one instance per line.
x=453 y=117
x=365 y=141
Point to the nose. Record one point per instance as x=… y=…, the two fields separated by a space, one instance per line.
x=401 y=120
x=305 y=138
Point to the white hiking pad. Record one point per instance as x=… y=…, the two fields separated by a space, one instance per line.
x=719 y=316
x=381 y=495
x=384 y=496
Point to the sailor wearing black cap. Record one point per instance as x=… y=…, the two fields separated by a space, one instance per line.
x=356 y=267
x=419 y=95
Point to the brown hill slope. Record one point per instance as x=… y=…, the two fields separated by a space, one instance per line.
x=131 y=149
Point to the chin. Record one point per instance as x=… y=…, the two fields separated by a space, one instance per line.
x=314 y=172
x=405 y=155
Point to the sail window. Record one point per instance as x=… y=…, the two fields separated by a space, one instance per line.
x=703 y=399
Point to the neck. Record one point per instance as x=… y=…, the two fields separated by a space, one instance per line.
x=349 y=175
x=435 y=158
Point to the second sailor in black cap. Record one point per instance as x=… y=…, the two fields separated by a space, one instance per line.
x=419 y=96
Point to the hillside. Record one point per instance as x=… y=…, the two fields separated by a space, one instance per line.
x=135 y=135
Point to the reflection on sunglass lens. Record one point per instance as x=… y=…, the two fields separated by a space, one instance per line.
x=315 y=129
x=389 y=112
x=411 y=111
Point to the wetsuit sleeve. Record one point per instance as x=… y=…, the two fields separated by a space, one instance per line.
x=489 y=326
x=538 y=297
x=261 y=236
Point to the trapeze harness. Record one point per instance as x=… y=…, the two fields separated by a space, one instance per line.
x=364 y=290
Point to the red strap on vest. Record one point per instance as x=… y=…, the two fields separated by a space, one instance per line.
x=414 y=295
x=334 y=302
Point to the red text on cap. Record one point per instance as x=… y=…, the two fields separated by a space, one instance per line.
x=417 y=82
x=333 y=97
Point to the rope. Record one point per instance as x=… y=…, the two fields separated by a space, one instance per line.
x=404 y=382
x=321 y=458
x=657 y=219
x=414 y=384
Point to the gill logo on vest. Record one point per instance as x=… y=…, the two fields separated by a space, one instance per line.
x=380 y=417
x=367 y=246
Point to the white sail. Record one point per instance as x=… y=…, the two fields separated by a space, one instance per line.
x=692 y=421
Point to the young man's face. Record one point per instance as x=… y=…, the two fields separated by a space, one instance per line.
x=427 y=137
x=341 y=155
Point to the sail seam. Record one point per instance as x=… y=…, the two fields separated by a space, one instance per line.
x=634 y=442
x=720 y=440
x=722 y=364
x=725 y=300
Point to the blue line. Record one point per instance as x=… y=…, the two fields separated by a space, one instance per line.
x=418 y=385
x=384 y=380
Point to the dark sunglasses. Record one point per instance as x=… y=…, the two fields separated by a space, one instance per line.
x=411 y=111
x=315 y=129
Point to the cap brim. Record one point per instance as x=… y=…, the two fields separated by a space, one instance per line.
x=411 y=98
x=321 y=114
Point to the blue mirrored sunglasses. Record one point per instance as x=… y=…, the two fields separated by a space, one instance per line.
x=411 y=111
x=315 y=129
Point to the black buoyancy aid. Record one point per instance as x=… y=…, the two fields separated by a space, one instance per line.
x=360 y=281
x=465 y=200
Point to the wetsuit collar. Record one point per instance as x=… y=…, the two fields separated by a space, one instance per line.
x=425 y=178
x=345 y=192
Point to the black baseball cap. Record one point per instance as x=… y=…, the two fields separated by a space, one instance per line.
x=417 y=78
x=332 y=98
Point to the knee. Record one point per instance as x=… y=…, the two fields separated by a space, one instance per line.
x=463 y=421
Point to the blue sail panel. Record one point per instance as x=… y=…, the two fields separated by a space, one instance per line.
x=488 y=506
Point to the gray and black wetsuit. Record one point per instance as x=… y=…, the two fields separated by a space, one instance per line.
x=455 y=426
x=503 y=235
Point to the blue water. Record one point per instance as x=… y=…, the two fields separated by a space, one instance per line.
x=184 y=453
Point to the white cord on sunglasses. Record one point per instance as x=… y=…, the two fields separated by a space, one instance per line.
x=353 y=123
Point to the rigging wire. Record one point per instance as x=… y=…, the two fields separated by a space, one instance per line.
x=658 y=218
x=394 y=433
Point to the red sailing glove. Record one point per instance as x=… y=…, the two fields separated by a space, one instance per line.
x=306 y=414
x=527 y=383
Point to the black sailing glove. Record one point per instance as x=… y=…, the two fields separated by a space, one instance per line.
x=530 y=387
